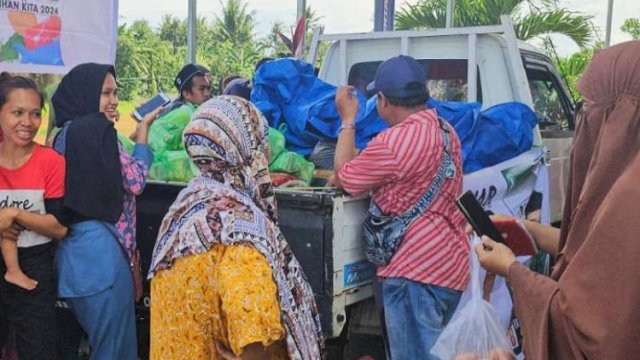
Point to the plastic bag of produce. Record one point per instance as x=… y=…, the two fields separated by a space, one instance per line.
x=292 y=163
x=174 y=165
x=305 y=169
x=475 y=331
x=276 y=142
x=166 y=132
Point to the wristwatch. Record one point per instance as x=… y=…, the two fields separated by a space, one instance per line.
x=346 y=126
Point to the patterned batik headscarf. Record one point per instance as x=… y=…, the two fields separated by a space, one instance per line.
x=232 y=202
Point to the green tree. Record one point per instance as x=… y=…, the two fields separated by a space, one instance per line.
x=572 y=67
x=140 y=30
x=531 y=18
x=174 y=31
x=632 y=27
x=229 y=58
x=144 y=62
x=313 y=19
x=272 y=43
x=235 y=24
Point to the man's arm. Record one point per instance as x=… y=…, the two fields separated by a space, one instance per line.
x=347 y=104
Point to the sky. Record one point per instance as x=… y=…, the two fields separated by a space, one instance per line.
x=340 y=16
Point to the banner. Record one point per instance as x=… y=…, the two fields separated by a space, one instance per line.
x=520 y=188
x=53 y=36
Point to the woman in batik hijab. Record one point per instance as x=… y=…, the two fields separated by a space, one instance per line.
x=590 y=307
x=225 y=283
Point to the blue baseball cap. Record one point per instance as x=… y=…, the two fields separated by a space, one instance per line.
x=400 y=77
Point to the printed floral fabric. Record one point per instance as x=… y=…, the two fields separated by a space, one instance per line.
x=232 y=202
x=226 y=294
x=134 y=177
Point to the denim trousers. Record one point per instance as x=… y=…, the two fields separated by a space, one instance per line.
x=415 y=315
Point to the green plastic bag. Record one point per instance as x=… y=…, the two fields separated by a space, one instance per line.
x=173 y=165
x=305 y=169
x=276 y=143
x=165 y=133
x=293 y=163
x=127 y=144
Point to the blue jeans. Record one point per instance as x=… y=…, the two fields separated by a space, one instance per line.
x=109 y=318
x=415 y=315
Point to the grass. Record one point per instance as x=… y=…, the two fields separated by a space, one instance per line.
x=125 y=125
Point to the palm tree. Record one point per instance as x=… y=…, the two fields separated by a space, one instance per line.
x=236 y=24
x=312 y=18
x=531 y=18
x=173 y=30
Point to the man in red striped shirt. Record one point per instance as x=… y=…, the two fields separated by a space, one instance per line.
x=422 y=284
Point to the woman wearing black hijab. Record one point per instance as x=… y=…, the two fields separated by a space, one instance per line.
x=102 y=180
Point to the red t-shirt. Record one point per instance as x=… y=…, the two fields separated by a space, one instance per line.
x=397 y=167
x=27 y=187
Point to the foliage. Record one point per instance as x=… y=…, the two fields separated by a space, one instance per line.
x=276 y=47
x=236 y=24
x=148 y=59
x=632 y=27
x=145 y=63
x=572 y=67
x=531 y=18
x=272 y=43
x=229 y=58
x=294 y=44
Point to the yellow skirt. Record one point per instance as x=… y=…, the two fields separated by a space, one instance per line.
x=227 y=294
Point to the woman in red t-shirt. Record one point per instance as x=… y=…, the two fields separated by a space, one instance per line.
x=31 y=191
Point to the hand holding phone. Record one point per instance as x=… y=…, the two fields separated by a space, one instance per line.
x=517 y=237
x=477 y=217
x=157 y=101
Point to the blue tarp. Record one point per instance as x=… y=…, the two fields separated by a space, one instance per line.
x=288 y=93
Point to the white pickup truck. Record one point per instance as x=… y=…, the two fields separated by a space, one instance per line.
x=324 y=226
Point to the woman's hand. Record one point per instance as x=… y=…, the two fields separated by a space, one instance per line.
x=495 y=257
x=7 y=217
x=140 y=134
x=148 y=119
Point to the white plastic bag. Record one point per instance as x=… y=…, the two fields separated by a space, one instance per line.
x=475 y=331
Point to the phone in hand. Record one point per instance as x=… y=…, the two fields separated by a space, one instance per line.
x=517 y=237
x=141 y=111
x=477 y=217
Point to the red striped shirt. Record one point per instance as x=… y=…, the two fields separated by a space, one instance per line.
x=398 y=166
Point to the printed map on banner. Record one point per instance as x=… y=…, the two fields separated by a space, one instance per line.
x=54 y=35
x=36 y=28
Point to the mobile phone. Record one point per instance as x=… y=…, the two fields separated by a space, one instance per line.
x=477 y=217
x=160 y=99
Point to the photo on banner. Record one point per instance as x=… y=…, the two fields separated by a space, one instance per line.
x=52 y=36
